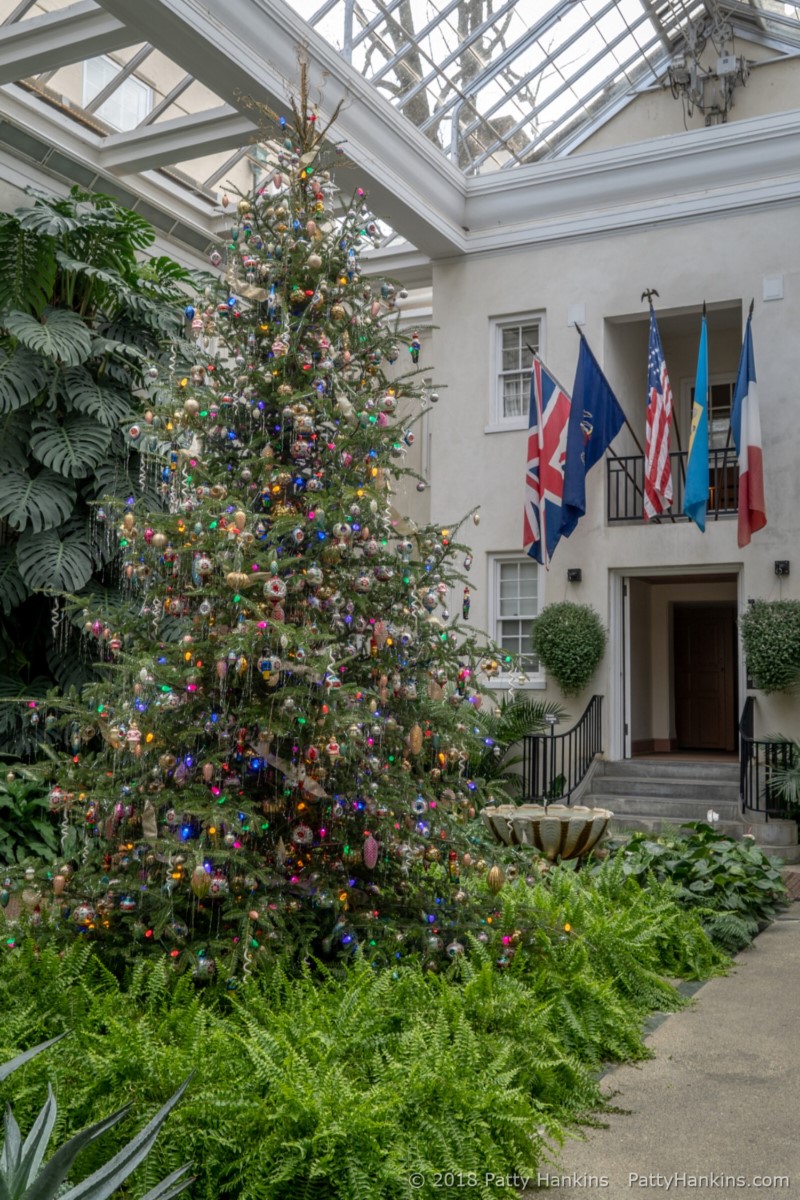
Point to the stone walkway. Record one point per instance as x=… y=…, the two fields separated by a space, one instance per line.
x=716 y=1114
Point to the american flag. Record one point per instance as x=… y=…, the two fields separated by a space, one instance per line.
x=548 y=424
x=657 y=470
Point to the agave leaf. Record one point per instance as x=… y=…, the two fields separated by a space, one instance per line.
x=60 y=335
x=58 y=559
x=36 y=1144
x=12 y=1147
x=7 y=1067
x=53 y=1174
x=41 y=502
x=171 y=1186
x=103 y=1182
x=72 y=447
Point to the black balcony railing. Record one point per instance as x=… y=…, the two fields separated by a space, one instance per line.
x=626 y=486
x=553 y=764
x=758 y=760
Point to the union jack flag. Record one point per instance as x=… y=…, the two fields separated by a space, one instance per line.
x=548 y=423
x=657 y=468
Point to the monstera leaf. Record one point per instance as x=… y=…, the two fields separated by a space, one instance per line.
x=13 y=589
x=73 y=447
x=109 y=406
x=22 y=377
x=41 y=502
x=60 y=335
x=56 y=560
x=15 y=436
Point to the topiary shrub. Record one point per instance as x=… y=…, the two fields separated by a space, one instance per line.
x=771 y=638
x=569 y=639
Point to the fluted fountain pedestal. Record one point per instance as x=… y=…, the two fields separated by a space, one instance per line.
x=557 y=831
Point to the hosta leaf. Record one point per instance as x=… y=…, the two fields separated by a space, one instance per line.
x=108 y=405
x=60 y=335
x=73 y=447
x=58 y=559
x=13 y=589
x=22 y=375
x=41 y=503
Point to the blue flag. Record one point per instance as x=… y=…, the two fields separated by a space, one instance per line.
x=595 y=420
x=695 y=491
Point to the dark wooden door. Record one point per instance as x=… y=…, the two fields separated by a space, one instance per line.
x=705 y=676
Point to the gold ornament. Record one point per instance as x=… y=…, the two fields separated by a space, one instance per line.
x=415 y=739
x=200 y=882
x=495 y=880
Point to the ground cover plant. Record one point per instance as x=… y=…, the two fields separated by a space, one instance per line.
x=344 y=1081
x=733 y=886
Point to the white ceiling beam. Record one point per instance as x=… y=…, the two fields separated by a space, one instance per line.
x=178 y=140
x=59 y=39
x=250 y=49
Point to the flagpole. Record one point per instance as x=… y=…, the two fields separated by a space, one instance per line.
x=627 y=422
x=614 y=456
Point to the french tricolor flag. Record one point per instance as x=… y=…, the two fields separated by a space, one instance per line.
x=746 y=428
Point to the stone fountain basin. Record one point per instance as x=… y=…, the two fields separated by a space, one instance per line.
x=557 y=831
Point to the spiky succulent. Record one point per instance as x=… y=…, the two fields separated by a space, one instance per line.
x=23 y=1177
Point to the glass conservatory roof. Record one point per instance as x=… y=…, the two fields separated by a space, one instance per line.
x=490 y=84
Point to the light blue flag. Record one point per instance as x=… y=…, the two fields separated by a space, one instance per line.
x=695 y=492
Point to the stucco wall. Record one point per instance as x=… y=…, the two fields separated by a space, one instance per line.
x=724 y=261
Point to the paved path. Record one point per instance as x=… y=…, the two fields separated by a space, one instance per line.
x=720 y=1099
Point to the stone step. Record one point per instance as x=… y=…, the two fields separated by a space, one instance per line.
x=772 y=833
x=650 y=823
x=686 y=807
x=723 y=772
x=786 y=854
x=703 y=790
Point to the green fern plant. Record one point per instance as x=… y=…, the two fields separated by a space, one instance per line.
x=82 y=319
x=25 y=1176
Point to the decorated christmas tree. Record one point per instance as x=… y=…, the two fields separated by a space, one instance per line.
x=286 y=749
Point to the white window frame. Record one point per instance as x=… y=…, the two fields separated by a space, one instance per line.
x=534 y=679
x=498 y=423
x=132 y=86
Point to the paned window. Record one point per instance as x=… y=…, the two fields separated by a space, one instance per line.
x=516 y=603
x=128 y=105
x=514 y=340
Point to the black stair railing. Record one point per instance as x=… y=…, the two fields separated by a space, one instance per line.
x=758 y=760
x=553 y=764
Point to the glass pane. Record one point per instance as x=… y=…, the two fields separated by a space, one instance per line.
x=511 y=337
x=530 y=340
x=511 y=360
x=513 y=396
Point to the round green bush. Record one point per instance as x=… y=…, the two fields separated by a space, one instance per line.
x=771 y=638
x=569 y=639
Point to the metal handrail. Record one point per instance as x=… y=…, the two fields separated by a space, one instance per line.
x=758 y=759
x=553 y=764
x=625 y=492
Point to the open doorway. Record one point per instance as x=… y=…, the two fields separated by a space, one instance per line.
x=680 y=663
